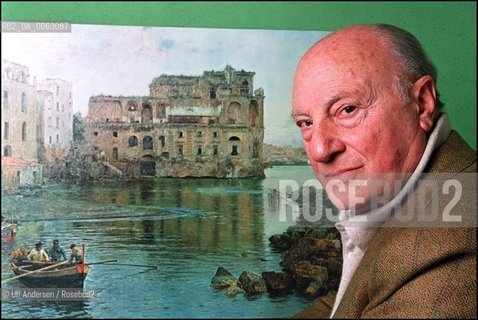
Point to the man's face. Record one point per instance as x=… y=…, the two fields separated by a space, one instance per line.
x=355 y=126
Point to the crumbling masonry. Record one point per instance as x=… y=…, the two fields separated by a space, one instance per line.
x=190 y=126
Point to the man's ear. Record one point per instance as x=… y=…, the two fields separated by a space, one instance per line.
x=424 y=95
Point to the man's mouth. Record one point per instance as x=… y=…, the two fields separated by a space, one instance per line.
x=337 y=173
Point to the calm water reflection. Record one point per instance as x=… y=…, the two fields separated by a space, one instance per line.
x=186 y=227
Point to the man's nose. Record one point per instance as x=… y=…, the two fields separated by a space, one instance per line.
x=324 y=144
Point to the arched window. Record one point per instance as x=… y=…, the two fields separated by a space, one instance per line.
x=115 y=153
x=24 y=102
x=234 y=145
x=146 y=114
x=255 y=150
x=24 y=131
x=212 y=93
x=132 y=106
x=147 y=143
x=162 y=140
x=5 y=99
x=6 y=133
x=7 y=151
x=132 y=141
x=244 y=88
x=147 y=166
x=253 y=112
x=22 y=77
x=234 y=113
x=161 y=111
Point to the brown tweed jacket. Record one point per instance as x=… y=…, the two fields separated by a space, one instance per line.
x=417 y=272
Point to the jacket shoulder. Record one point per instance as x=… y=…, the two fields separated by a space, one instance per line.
x=417 y=273
x=454 y=155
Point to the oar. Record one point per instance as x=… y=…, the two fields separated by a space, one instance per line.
x=133 y=265
x=97 y=262
x=35 y=271
x=101 y=262
x=35 y=262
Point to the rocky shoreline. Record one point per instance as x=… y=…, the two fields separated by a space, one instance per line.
x=311 y=263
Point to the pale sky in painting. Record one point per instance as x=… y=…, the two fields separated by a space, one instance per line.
x=123 y=60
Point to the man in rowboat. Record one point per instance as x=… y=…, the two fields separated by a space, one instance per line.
x=57 y=252
x=38 y=254
x=76 y=254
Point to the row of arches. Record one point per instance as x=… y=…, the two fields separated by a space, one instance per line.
x=133 y=141
x=234 y=113
x=147 y=112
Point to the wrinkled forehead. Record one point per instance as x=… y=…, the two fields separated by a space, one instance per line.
x=356 y=50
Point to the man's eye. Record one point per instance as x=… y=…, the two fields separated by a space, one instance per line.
x=303 y=123
x=349 y=109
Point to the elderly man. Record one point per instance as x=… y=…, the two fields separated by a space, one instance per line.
x=372 y=123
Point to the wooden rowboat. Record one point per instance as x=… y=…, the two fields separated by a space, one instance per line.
x=67 y=275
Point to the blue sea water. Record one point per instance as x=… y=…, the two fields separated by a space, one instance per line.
x=185 y=227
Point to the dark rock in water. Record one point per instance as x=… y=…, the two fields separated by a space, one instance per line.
x=311 y=264
x=281 y=242
x=220 y=282
x=308 y=248
x=221 y=271
x=286 y=240
x=223 y=279
x=278 y=282
x=314 y=289
x=305 y=269
x=252 y=283
x=311 y=279
x=333 y=265
x=234 y=289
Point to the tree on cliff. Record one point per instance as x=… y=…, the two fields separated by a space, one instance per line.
x=77 y=166
x=78 y=128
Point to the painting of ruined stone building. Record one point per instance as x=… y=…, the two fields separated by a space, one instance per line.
x=188 y=126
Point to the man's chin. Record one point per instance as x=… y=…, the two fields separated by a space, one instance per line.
x=358 y=206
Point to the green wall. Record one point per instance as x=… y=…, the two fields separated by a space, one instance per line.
x=446 y=29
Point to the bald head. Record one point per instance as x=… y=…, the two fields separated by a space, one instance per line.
x=357 y=50
x=407 y=55
x=361 y=37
